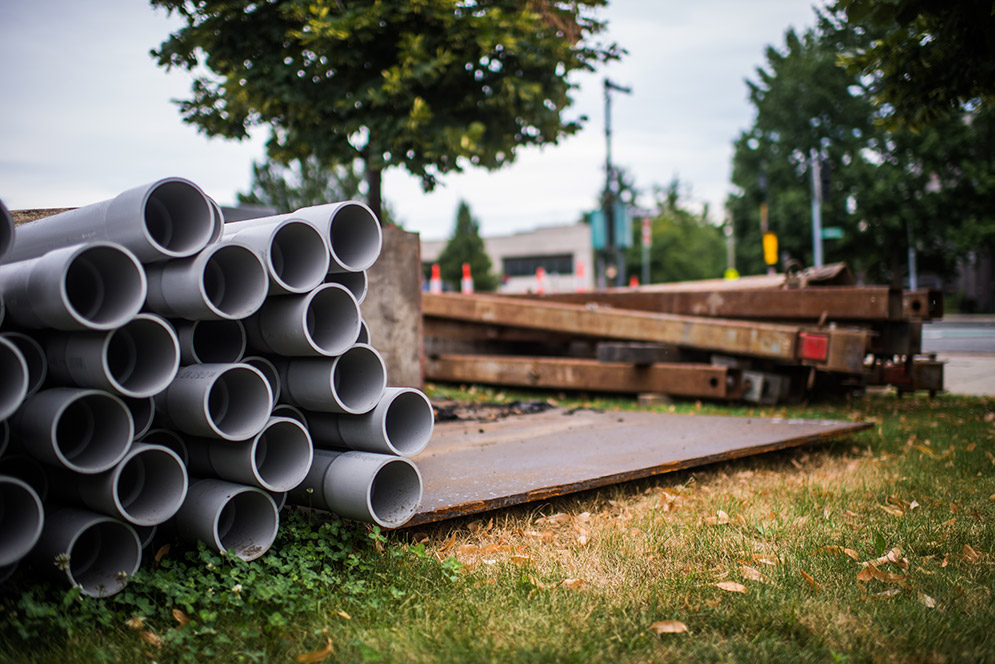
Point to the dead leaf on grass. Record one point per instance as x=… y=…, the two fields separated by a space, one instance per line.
x=712 y=603
x=181 y=618
x=137 y=622
x=317 y=655
x=669 y=627
x=448 y=545
x=151 y=638
x=812 y=583
x=161 y=553
x=572 y=584
x=887 y=594
x=840 y=551
x=751 y=573
x=731 y=586
x=582 y=540
x=892 y=510
x=343 y=614
x=520 y=560
x=969 y=554
x=765 y=560
x=927 y=601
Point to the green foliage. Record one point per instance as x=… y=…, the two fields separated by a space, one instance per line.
x=932 y=59
x=885 y=185
x=684 y=246
x=466 y=246
x=432 y=86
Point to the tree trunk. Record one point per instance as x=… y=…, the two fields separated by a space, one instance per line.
x=373 y=175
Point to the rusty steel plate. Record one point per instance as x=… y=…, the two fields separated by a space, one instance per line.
x=473 y=466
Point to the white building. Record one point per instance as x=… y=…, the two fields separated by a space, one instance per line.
x=564 y=252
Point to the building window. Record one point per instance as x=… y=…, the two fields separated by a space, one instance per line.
x=525 y=266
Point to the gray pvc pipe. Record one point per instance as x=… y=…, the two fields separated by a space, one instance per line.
x=275 y=459
x=96 y=286
x=294 y=251
x=145 y=488
x=169 y=218
x=376 y=488
x=34 y=358
x=142 y=413
x=211 y=341
x=268 y=370
x=5 y=436
x=6 y=231
x=21 y=519
x=358 y=283
x=223 y=281
x=6 y=572
x=83 y=430
x=14 y=378
x=28 y=470
x=293 y=412
x=136 y=360
x=93 y=551
x=234 y=518
x=364 y=334
x=218 y=219
x=353 y=231
x=352 y=382
x=229 y=401
x=323 y=322
x=146 y=534
x=167 y=438
x=280 y=498
x=401 y=424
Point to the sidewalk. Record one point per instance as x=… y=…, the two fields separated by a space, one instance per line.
x=969 y=373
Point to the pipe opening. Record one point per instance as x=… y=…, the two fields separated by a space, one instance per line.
x=142 y=411
x=218 y=341
x=151 y=486
x=282 y=455
x=104 y=287
x=409 y=423
x=395 y=493
x=21 y=519
x=332 y=319
x=102 y=557
x=93 y=433
x=13 y=378
x=239 y=403
x=298 y=256
x=28 y=470
x=289 y=411
x=234 y=281
x=359 y=379
x=142 y=357
x=356 y=283
x=269 y=372
x=179 y=219
x=247 y=524
x=6 y=230
x=354 y=237
x=34 y=359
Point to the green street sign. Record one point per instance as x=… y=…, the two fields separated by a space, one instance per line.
x=832 y=233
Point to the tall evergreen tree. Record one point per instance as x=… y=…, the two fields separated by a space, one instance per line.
x=466 y=246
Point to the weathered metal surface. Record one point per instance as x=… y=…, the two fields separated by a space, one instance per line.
x=688 y=380
x=738 y=337
x=920 y=374
x=471 y=467
x=922 y=304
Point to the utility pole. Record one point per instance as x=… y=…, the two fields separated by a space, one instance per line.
x=608 y=199
x=815 y=167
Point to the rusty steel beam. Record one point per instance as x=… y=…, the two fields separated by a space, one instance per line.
x=922 y=304
x=831 y=303
x=681 y=379
x=830 y=349
x=472 y=467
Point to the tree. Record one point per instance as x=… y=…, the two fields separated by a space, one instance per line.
x=684 y=246
x=933 y=58
x=466 y=246
x=433 y=85
x=889 y=188
x=305 y=182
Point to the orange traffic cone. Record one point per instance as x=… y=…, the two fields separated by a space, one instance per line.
x=435 y=283
x=579 y=284
x=466 y=283
x=540 y=279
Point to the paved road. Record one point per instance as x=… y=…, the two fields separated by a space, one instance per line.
x=967 y=345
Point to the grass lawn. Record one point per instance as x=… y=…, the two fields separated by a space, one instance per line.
x=878 y=547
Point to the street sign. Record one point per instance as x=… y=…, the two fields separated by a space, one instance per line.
x=832 y=233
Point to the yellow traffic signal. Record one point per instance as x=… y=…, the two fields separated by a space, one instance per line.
x=770 y=248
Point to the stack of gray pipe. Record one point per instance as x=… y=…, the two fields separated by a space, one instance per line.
x=162 y=370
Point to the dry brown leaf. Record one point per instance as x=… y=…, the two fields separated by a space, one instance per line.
x=161 y=553
x=970 y=447
x=892 y=510
x=540 y=584
x=731 y=586
x=891 y=592
x=448 y=545
x=969 y=554
x=722 y=517
x=927 y=601
x=866 y=574
x=343 y=614
x=583 y=516
x=467 y=549
x=812 y=583
x=181 y=618
x=137 y=622
x=669 y=627
x=840 y=551
x=572 y=584
x=317 y=655
x=712 y=603
x=925 y=450
x=751 y=573
x=582 y=540
x=765 y=560
x=520 y=560
x=151 y=638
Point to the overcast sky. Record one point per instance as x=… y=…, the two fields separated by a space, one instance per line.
x=86 y=114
